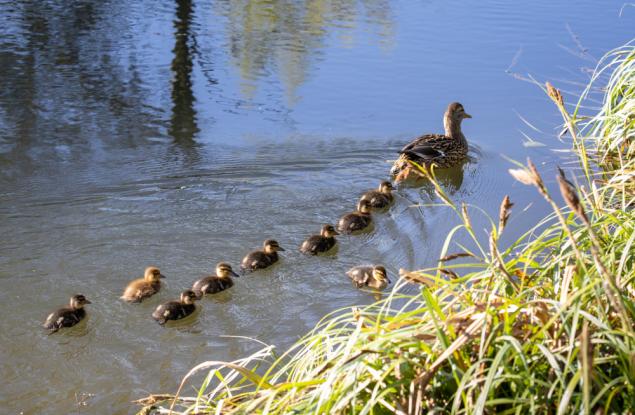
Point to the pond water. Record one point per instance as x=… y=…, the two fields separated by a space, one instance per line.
x=179 y=134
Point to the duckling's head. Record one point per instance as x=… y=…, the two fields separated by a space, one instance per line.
x=271 y=246
x=385 y=187
x=456 y=112
x=153 y=274
x=364 y=206
x=188 y=297
x=79 y=301
x=328 y=231
x=379 y=273
x=223 y=269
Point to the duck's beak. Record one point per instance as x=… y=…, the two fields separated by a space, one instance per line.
x=87 y=302
x=336 y=232
x=161 y=276
x=466 y=115
x=233 y=274
x=280 y=248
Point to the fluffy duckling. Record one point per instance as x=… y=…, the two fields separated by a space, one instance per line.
x=356 y=221
x=215 y=283
x=443 y=150
x=139 y=290
x=323 y=242
x=262 y=259
x=67 y=316
x=367 y=276
x=380 y=198
x=176 y=310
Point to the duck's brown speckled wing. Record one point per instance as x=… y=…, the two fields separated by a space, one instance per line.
x=429 y=147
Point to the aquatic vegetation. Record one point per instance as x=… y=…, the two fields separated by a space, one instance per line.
x=545 y=325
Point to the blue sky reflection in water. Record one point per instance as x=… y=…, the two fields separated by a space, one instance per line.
x=184 y=133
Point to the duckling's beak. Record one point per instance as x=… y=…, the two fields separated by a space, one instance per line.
x=233 y=274
x=466 y=115
x=336 y=232
x=161 y=276
x=280 y=248
x=87 y=302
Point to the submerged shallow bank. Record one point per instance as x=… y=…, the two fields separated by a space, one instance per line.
x=547 y=324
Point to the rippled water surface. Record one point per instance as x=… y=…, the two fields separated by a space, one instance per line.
x=179 y=134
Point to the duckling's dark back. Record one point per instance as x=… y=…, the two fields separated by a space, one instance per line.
x=212 y=285
x=258 y=259
x=316 y=244
x=64 y=317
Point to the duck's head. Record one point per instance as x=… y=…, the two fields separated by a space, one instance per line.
x=385 y=187
x=188 y=297
x=79 y=301
x=379 y=273
x=223 y=269
x=152 y=274
x=364 y=206
x=456 y=112
x=328 y=231
x=271 y=246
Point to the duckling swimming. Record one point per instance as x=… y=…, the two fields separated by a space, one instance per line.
x=176 y=310
x=215 y=283
x=262 y=259
x=67 y=316
x=443 y=150
x=320 y=243
x=139 y=290
x=380 y=198
x=356 y=221
x=367 y=276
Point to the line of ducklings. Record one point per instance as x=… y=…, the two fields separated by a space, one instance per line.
x=443 y=150
x=140 y=289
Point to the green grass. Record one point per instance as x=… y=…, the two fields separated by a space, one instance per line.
x=545 y=325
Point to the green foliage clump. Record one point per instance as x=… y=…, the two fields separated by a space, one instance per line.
x=546 y=325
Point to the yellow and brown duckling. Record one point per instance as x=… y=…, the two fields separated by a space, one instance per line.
x=369 y=276
x=380 y=198
x=176 y=310
x=67 y=316
x=356 y=221
x=262 y=259
x=443 y=150
x=142 y=288
x=215 y=283
x=323 y=242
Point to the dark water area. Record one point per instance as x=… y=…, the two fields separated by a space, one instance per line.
x=179 y=134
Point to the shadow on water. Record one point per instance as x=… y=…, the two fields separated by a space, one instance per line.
x=183 y=123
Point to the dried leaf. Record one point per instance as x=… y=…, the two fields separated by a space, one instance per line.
x=522 y=176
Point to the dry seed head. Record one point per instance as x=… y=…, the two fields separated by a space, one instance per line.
x=450 y=257
x=570 y=196
x=466 y=217
x=504 y=212
x=537 y=179
x=554 y=94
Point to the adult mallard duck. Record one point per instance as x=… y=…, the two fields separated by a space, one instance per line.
x=67 y=316
x=323 y=242
x=380 y=198
x=442 y=150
